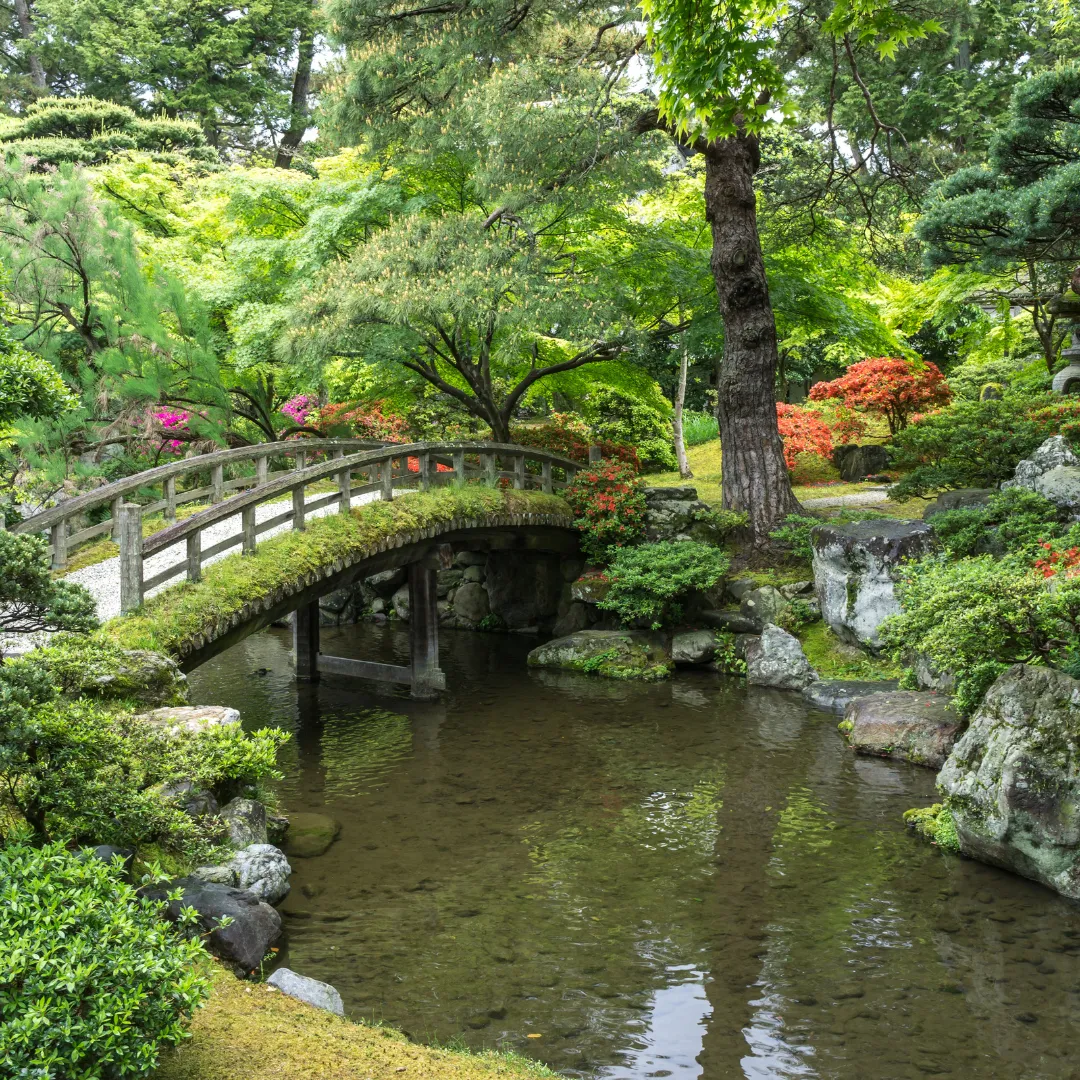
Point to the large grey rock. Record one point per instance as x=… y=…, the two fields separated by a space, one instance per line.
x=263 y=870
x=834 y=695
x=616 y=654
x=590 y=588
x=1054 y=472
x=734 y=622
x=693 y=647
x=400 y=602
x=311 y=991
x=255 y=925
x=245 y=820
x=310 y=835
x=958 y=499
x=196 y=802
x=853 y=573
x=216 y=875
x=447 y=581
x=388 y=582
x=907 y=725
x=763 y=605
x=673 y=513
x=190 y=719
x=1012 y=781
x=776 y=659
x=140 y=675
x=857 y=462
x=471 y=602
x=109 y=854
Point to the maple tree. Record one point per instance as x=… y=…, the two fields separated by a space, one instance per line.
x=803 y=431
x=889 y=386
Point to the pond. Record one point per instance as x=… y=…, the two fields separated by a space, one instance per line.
x=689 y=879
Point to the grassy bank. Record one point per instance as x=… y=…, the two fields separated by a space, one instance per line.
x=249 y=1031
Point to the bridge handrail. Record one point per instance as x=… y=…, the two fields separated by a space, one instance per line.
x=134 y=549
x=109 y=493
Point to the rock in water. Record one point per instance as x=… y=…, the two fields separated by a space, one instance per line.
x=907 y=725
x=310 y=835
x=777 y=659
x=834 y=695
x=1013 y=781
x=190 y=719
x=311 y=991
x=246 y=821
x=853 y=568
x=693 y=647
x=255 y=924
x=263 y=871
x=613 y=654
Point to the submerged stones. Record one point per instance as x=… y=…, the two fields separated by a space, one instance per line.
x=776 y=659
x=906 y=725
x=310 y=835
x=614 y=654
x=853 y=568
x=1012 y=782
x=834 y=695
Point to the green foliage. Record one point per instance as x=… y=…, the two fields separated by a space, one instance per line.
x=608 y=502
x=1014 y=520
x=621 y=417
x=970 y=444
x=833 y=659
x=794 y=535
x=94 y=981
x=649 y=582
x=699 y=427
x=934 y=823
x=975 y=617
x=727 y=658
x=796 y=615
x=29 y=385
x=29 y=598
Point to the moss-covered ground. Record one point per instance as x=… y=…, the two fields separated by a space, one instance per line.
x=249 y=1031
x=168 y=622
x=832 y=659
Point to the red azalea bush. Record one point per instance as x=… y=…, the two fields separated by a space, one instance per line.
x=1057 y=561
x=1060 y=417
x=608 y=501
x=569 y=435
x=804 y=431
x=369 y=420
x=887 y=386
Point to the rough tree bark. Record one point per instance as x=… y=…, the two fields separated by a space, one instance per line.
x=754 y=476
x=299 y=114
x=26 y=29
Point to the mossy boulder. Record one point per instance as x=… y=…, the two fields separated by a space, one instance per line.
x=612 y=654
x=310 y=835
x=93 y=667
x=907 y=725
x=1012 y=783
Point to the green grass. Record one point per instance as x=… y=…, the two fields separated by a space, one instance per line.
x=249 y=1031
x=832 y=659
x=172 y=621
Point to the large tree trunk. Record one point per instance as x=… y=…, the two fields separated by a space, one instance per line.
x=300 y=113
x=754 y=476
x=26 y=29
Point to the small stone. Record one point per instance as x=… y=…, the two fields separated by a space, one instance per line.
x=263 y=871
x=693 y=647
x=907 y=725
x=777 y=659
x=190 y=719
x=312 y=992
x=473 y=573
x=471 y=602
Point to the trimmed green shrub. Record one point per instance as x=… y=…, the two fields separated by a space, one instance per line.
x=975 y=617
x=29 y=385
x=624 y=418
x=1013 y=520
x=29 y=598
x=92 y=980
x=648 y=583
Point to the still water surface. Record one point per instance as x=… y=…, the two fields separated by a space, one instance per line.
x=690 y=879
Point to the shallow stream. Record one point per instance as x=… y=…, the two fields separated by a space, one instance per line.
x=690 y=879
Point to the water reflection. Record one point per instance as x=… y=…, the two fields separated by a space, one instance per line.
x=686 y=879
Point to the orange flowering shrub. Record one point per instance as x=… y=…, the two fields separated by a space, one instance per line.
x=804 y=431
x=608 y=502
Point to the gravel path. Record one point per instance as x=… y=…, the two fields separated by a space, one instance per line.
x=871 y=497
x=103 y=578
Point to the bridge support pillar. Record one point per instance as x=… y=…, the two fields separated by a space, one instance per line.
x=306 y=642
x=427 y=678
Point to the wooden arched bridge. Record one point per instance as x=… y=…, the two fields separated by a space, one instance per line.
x=238 y=482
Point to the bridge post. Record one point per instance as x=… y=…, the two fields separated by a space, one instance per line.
x=58 y=538
x=427 y=679
x=519 y=471
x=131 y=562
x=387 y=478
x=344 y=483
x=217 y=484
x=545 y=475
x=170 y=498
x=262 y=470
x=306 y=642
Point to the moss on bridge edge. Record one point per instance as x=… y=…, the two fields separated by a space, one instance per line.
x=182 y=614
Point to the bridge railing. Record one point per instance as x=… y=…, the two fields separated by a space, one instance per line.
x=389 y=471
x=58 y=520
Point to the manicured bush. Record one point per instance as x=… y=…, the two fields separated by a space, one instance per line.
x=30 y=599
x=608 y=502
x=970 y=444
x=92 y=980
x=974 y=617
x=1013 y=520
x=889 y=387
x=622 y=417
x=648 y=583
x=29 y=385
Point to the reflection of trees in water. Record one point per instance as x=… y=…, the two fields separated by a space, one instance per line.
x=358 y=750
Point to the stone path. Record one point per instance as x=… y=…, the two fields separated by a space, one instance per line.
x=870 y=497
